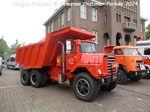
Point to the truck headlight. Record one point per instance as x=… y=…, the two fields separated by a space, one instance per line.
x=99 y=72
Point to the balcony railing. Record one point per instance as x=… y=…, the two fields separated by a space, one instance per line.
x=129 y=26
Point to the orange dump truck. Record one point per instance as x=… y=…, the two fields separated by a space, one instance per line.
x=130 y=62
x=68 y=56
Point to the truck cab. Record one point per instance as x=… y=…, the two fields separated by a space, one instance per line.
x=145 y=52
x=130 y=62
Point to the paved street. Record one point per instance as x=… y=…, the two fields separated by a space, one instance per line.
x=14 y=97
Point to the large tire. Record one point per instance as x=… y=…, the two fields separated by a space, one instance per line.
x=136 y=78
x=7 y=67
x=25 y=77
x=109 y=87
x=122 y=77
x=85 y=86
x=45 y=78
x=147 y=76
x=36 y=78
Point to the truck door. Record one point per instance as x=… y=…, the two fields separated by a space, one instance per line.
x=119 y=56
x=70 y=57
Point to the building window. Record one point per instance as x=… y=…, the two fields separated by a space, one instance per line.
x=141 y=27
x=56 y=24
x=83 y=12
x=94 y=14
x=48 y=28
x=105 y=18
x=96 y=38
x=68 y=14
x=83 y=29
x=117 y=17
x=52 y=27
x=62 y=19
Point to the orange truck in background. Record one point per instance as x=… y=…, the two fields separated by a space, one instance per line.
x=68 y=56
x=131 y=65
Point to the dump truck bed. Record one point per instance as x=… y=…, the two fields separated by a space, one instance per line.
x=44 y=53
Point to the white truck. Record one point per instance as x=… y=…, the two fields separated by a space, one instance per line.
x=144 y=49
x=11 y=62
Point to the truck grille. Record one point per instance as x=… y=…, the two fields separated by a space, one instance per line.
x=138 y=62
x=110 y=61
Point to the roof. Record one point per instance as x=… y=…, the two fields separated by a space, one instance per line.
x=122 y=47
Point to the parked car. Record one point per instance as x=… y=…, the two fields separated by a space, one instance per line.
x=1 y=63
x=11 y=62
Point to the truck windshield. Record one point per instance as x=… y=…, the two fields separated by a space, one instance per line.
x=131 y=51
x=87 y=47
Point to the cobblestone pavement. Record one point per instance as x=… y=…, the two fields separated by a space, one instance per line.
x=14 y=97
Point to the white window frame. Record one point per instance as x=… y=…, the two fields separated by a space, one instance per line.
x=62 y=19
x=83 y=12
x=68 y=14
x=94 y=14
x=52 y=27
x=83 y=29
x=96 y=38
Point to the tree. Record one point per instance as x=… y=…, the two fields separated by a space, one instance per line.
x=13 y=47
x=3 y=47
x=148 y=32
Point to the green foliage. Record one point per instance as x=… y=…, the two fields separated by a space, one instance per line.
x=6 y=51
x=3 y=47
x=148 y=32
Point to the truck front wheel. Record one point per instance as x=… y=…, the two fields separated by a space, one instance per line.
x=109 y=87
x=122 y=77
x=25 y=77
x=36 y=78
x=85 y=86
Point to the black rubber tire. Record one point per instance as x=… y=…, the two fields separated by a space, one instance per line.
x=7 y=67
x=122 y=77
x=109 y=87
x=36 y=78
x=85 y=86
x=25 y=77
x=45 y=78
x=147 y=76
x=136 y=78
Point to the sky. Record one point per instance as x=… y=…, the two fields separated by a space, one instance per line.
x=23 y=19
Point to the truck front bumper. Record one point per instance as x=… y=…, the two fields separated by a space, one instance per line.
x=107 y=80
x=136 y=73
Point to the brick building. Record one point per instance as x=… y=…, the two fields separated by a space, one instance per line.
x=114 y=25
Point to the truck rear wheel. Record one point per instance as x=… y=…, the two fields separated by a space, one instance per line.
x=36 y=78
x=122 y=77
x=25 y=77
x=85 y=86
x=109 y=87
x=136 y=78
x=45 y=79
